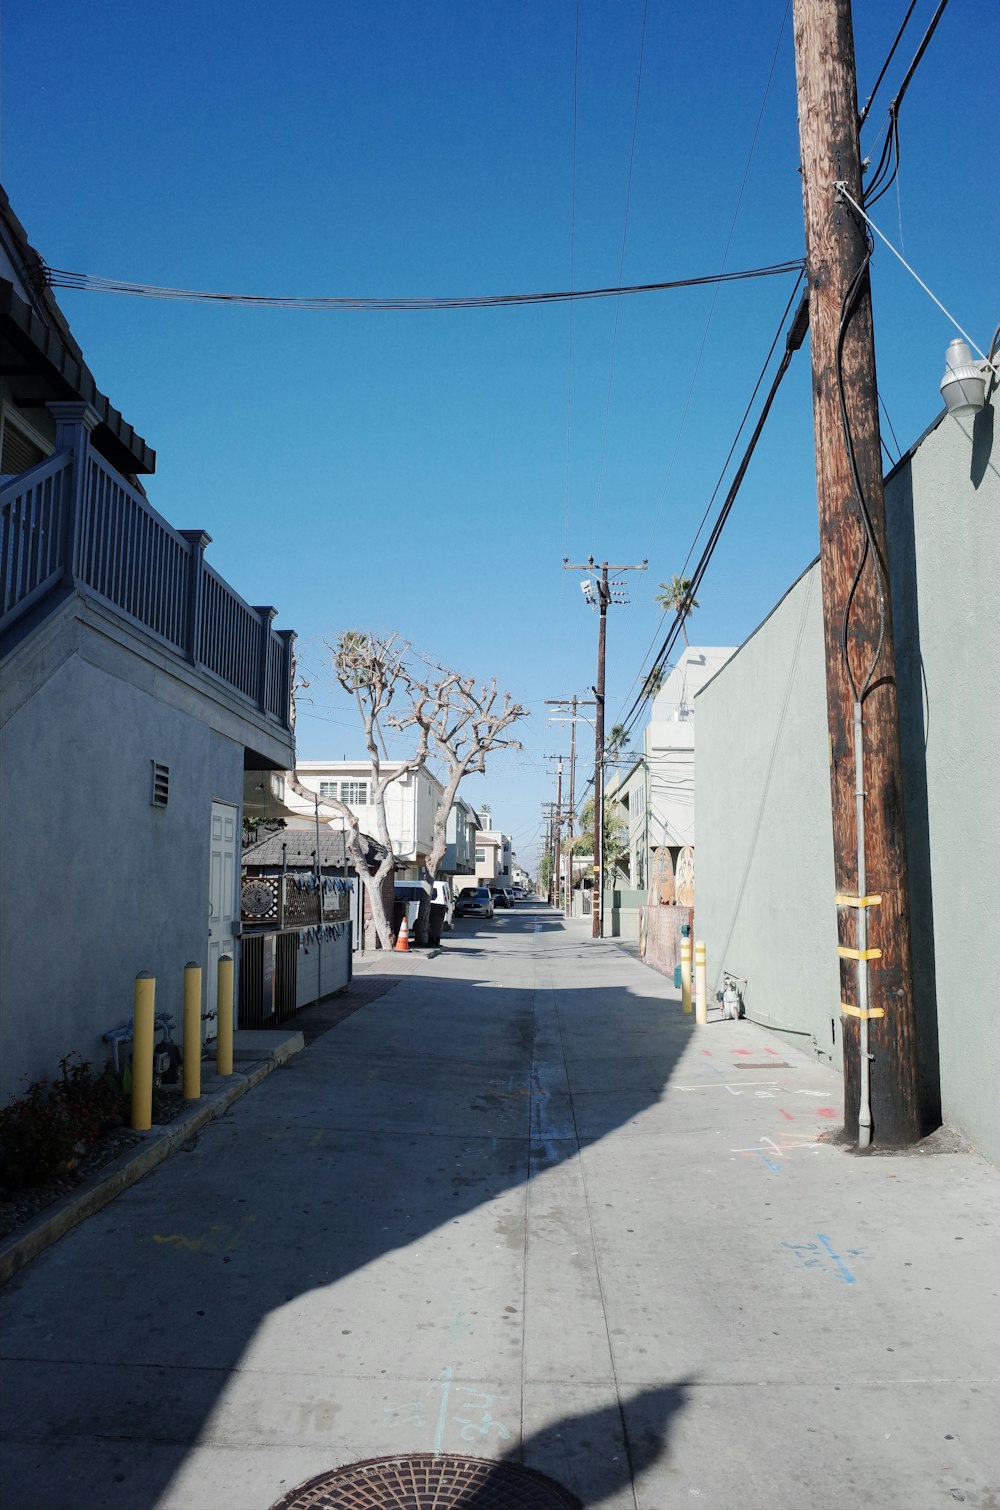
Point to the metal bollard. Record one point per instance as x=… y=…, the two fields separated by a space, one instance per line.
x=143 y=1015
x=192 y=1032
x=686 y=974
x=700 y=985
x=224 y=1021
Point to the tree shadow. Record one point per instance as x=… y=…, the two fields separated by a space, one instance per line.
x=438 y=1104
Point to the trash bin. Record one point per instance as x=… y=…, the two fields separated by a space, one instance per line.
x=436 y=926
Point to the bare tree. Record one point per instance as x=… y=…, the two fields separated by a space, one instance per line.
x=374 y=672
x=463 y=723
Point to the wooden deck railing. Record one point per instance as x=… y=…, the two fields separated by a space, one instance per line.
x=74 y=521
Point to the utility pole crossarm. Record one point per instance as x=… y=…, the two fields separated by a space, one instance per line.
x=607 y=594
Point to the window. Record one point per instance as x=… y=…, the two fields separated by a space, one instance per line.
x=21 y=448
x=354 y=793
x=480 y=854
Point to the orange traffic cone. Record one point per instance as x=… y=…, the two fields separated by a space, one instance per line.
x=403 y=938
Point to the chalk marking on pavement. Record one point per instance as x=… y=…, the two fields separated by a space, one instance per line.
x=844 y=1270
x=766 y=1148
x=810 y=1257
x=442 y=1421
x=487 y=1421
x=217 y=1236
x=723 y=1085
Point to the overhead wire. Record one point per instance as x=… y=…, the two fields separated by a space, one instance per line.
x=715 y=296
x=849 y=307
x=793 y=340
x=885 y=66
x=621 y=268
x=568 y=489
x=885 y=174
x=888 y=165
x=913 y=274
x=93 y=283
x=659 y=662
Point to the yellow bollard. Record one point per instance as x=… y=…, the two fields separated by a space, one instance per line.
x=700 y=985
x=224 y=1021
x=192 y=1032
x=686 y=974
x=143 y=1014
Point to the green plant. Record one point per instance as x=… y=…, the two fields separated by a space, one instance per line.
x=42 y=1131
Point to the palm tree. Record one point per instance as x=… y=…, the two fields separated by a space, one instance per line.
x=653 y=682
x=677 y=594
x=616 y=740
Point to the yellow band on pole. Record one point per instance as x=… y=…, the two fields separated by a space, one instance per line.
x=847 y=953
x=192 y=1032
x=850 y=1011
x=844 y=901
x=700 y=985
x=224 y=1020
x=686 y=974
x=143 y=1018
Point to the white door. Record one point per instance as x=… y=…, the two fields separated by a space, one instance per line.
x=222 y=900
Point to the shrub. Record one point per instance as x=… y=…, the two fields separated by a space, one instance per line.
x=42 y=1131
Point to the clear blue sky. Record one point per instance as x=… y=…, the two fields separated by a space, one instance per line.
x=426 y=473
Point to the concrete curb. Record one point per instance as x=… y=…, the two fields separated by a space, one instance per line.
x=27 y=1241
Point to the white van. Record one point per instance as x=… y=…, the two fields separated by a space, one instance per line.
x=411 y=892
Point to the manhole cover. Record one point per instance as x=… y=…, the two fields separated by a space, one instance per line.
x=429 y=1481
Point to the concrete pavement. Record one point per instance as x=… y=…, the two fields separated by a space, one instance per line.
x=519 y=1205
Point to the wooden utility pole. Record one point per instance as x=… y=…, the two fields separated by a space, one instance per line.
x=559 y=823
x=608 y=592
x=869 y=840
x=572 y=806
x=573 y=703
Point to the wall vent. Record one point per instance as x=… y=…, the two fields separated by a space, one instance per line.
x=161 y=784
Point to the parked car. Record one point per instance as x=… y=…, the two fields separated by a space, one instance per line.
x=475 y=901
x=411 y=892
x=500 y=897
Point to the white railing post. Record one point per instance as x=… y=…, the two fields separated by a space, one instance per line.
x=267 y=617
x=197 y=541
x=75 y=420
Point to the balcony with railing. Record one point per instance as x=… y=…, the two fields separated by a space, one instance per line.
x=74 y=522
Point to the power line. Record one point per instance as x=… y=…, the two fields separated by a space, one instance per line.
x=793 y=340
x=660 y=663
x=94 y=283
x=572 y=280
x=888 y=164
x=725 y=258
x=621 y=268
x=885 y=66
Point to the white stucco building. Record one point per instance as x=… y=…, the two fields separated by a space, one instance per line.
x=410 y=803
x=657 y=792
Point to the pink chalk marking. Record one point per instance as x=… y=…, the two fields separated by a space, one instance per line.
x=739 y=1051
x=707 y=1053
x=827 y=1111
x=770 y=1051
x=787 y=1115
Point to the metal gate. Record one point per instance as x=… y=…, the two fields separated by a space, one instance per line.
x=268 y=977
